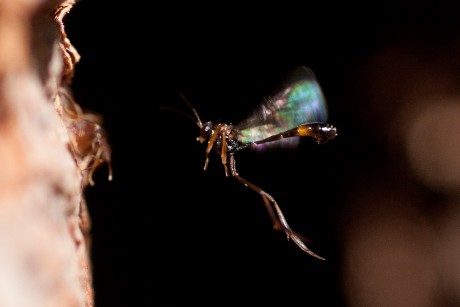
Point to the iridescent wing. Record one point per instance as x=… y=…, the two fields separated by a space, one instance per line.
x=301 y=102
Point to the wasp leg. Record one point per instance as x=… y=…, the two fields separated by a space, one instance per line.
x=211 y=142
x=273 y=216
x=277 y=216
x=223 y=154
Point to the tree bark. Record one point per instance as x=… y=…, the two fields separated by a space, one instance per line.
x=48 y=150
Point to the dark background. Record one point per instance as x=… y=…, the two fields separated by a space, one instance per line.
x=165 y=233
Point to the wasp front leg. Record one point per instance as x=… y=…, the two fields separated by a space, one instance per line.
x=212 y=140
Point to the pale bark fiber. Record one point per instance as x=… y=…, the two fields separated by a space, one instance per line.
x=44 y=225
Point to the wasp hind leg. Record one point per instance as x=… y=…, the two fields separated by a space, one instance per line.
x=277 y=216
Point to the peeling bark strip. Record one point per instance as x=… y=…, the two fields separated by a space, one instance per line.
x=49 y=149
x=70 y=54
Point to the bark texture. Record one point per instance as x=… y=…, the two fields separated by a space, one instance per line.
x=48 y=150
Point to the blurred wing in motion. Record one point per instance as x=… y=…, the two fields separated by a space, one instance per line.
x=301 y=102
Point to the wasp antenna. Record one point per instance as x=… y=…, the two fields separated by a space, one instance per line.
x=180 y=112
x=199 y=122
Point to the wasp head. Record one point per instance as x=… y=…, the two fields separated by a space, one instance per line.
x=205 y=132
